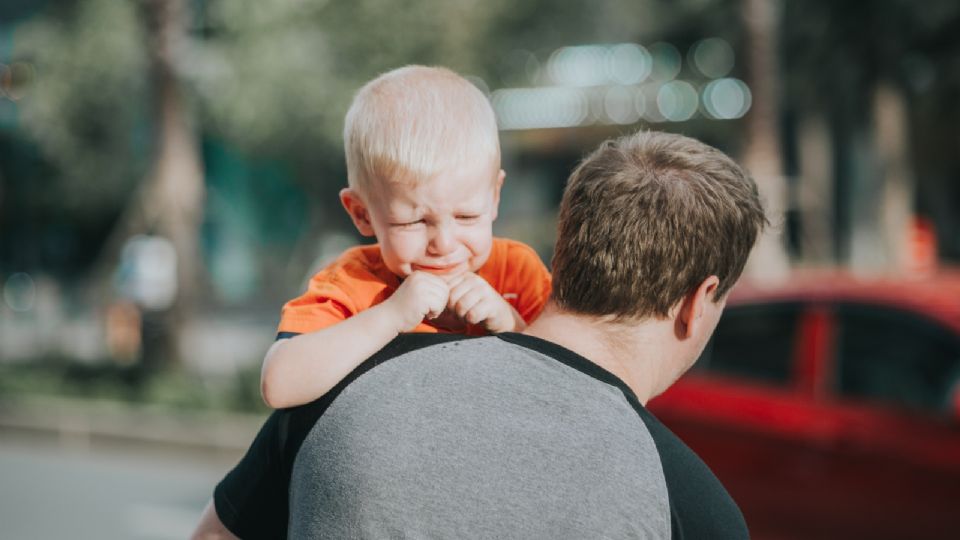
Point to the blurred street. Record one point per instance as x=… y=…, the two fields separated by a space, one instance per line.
x=64 y=488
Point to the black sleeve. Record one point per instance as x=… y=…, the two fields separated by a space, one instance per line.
x=251 y=500
x=700 y=507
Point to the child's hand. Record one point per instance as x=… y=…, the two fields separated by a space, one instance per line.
x=475 y=301
x=421 y=295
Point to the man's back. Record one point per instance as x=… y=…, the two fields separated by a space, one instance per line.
x=440 y=436
x=478 y=438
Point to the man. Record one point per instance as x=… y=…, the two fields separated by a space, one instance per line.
x=542 y=434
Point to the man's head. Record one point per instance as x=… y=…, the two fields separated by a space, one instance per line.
x=423 y=166
x=648 y=220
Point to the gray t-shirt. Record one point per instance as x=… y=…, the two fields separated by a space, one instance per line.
x=443 y=437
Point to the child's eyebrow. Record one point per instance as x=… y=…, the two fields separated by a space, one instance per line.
x=400 y=208
x=471 y=206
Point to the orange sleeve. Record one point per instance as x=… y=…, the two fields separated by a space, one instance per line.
x=526 y=277
x=352 y=283
x=322 y=305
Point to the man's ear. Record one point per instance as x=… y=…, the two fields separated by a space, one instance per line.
x=496 y=192
x=690 y=312
x=357 y=209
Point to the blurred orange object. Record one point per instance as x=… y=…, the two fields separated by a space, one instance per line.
x=922 y=250
x=123 y=328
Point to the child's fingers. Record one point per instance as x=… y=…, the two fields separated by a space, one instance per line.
x=456 y=293
x=436 y=301
x=456 y=280
x=464 y=284
x=425 y=294
x=468 y=301
x=430 y=280
x=442 y=294
x=480 y=312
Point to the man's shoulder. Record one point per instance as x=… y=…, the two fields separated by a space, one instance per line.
x=438 y=360
x=410 y=342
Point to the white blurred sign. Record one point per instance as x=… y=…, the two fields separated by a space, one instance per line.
x=148 y=272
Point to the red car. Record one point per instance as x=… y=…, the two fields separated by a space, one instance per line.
x=830 y=407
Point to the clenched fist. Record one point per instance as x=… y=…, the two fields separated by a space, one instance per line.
x=477 y=302
x=421 y=295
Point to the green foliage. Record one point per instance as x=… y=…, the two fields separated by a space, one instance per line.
x=172 y=389
x=279 y=76
x=87 y=100
x=276 y=76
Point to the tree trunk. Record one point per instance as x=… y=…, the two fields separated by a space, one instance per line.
x=174 y=194
x=815 y=189
x=896 y=212
x=762 y=150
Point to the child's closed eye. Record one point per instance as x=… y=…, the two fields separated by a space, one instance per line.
x=407 y=224
x=468 y=218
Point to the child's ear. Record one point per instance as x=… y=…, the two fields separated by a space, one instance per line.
x=357 y=209
x=496 y=191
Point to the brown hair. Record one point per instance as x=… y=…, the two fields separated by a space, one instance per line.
x=645 y=219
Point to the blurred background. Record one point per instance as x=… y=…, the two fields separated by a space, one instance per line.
x=169 y=173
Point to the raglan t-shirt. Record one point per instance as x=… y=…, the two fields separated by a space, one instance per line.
x=442 y=436
x=359 y=279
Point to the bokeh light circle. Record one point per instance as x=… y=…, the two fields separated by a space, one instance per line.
x=578 y=66
x=666 y=61
x=677 y=101
x=713 y=57
x=628 y=63
x=20 y=292
x=532 y=108
x=726 y=99
x=619 y=106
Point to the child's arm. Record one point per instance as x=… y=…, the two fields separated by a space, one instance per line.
x=303 y=368
x=477 y=302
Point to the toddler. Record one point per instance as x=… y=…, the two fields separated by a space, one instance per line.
x=424 y=178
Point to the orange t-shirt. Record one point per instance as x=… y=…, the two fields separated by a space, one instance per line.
x=358 y=279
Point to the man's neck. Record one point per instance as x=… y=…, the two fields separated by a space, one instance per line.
x=631 y=351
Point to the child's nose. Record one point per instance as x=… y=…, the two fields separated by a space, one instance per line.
x=441 y=242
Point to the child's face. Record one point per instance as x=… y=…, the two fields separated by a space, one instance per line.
x=442 y=225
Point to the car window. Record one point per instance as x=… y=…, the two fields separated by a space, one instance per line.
x=754 y=342
x=895 y=357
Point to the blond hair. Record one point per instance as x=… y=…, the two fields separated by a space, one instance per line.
x=414 y=122
x=645 y=219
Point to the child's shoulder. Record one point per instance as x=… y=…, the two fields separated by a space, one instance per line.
x=513 y=258
x=357 y=262
x=364 y=254
x=509 y=249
